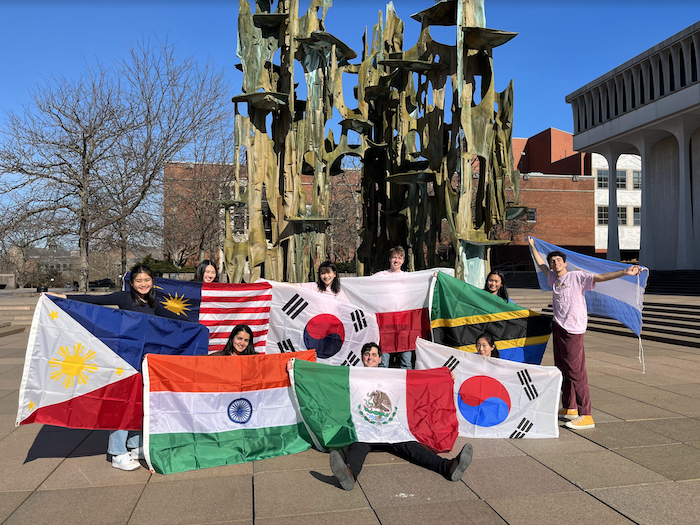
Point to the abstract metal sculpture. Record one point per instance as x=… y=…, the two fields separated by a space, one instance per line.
x=417 y=168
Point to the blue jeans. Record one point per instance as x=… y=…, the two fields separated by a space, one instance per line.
x=121 y=440
x=405 y=358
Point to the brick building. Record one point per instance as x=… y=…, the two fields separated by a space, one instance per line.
x=557 y=187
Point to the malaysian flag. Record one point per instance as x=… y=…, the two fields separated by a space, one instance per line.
x=219 y=307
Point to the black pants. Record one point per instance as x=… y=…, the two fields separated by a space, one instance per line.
x=409 y=450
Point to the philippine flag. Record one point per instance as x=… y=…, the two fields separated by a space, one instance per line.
x=496 y=398
x=83 y=363
x=303 y=319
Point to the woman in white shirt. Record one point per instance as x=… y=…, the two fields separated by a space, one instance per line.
x=328 y=282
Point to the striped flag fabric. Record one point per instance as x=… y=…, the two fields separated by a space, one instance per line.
x=342 y=405
x=400 y=303
x=459 y=312
x=83 y=363
x=620 y=299
x=303 y=319
x=495 y=398
x=210 y=411
x=219 y=307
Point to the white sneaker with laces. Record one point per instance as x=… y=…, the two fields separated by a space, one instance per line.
x=125 y=462
x=137 y=453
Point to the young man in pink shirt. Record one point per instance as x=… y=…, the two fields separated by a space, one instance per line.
x=568 y=328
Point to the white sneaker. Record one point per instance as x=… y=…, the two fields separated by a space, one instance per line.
x=125 y=462
x=137 y=453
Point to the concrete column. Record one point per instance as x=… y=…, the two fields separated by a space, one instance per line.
x=647 y=253
x=683 y=128
x=588 y=100
x=658 y=81
x=686 y=246
x=647 y=81
x=595 y=95
x=685 y=46
x=574 y=110
x=627 y=87
x=696 y=42
x=604 y=101
x=667 y=71
x=677 y=64
x=618 y=92
x=637 y=76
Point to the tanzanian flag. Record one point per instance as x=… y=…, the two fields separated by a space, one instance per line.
x=459 y=312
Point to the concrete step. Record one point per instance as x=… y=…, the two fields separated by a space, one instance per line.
x=10 y=330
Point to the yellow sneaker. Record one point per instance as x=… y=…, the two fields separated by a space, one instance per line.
x=568 y=413
x=581 y=423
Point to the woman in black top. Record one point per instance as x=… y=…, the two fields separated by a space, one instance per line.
x=240 y=342
x=140 y=297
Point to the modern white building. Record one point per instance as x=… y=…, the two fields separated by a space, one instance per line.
x=650 y=106
x=628 y=185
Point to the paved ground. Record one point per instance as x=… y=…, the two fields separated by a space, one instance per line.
x=641 y=464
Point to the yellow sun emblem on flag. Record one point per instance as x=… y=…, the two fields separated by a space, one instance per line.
x=73 y=366
x=177 y=305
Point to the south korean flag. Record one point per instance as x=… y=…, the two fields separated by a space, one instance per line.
x=302 y=319
x=496 y=398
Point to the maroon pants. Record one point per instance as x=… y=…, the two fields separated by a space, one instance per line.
x=570 y=358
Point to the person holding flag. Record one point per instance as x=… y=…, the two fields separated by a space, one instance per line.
x=206 y=272
x=568 y=329
x=346 y=470
x=328 y=282
x=141 y=298
x=397 y=255
x=240 y=342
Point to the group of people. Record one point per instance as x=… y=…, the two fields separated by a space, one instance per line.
x=568 y=327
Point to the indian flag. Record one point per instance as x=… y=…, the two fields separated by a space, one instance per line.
x=341 y=405
x=209 y=411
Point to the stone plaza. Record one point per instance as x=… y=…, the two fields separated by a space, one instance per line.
x=641 y=464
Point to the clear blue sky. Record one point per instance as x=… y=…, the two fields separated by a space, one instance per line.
x=562 y=44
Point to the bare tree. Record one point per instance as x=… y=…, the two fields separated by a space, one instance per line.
x=86 y=153
x=192 y=188
x=345 y=207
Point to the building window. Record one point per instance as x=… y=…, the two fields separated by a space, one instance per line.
x=637 y=216
x=602 y=178
x=621 y=177
x=622 y=216
x=602 y=215
x=532 y=215
x=637 y=180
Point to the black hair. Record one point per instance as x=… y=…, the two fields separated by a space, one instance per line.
x=491 y=340
x=137 y=298
x=199 y=274
x=503 y=291
x=555 y=253
x=228 y=349
x=367 y=347
x=335 y=284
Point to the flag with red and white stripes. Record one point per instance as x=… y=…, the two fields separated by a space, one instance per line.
x=219 y=307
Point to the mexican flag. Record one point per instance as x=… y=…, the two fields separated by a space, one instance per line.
x=342 y=405
x=209 y=411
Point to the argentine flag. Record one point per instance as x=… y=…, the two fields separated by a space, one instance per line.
x=620 y=299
